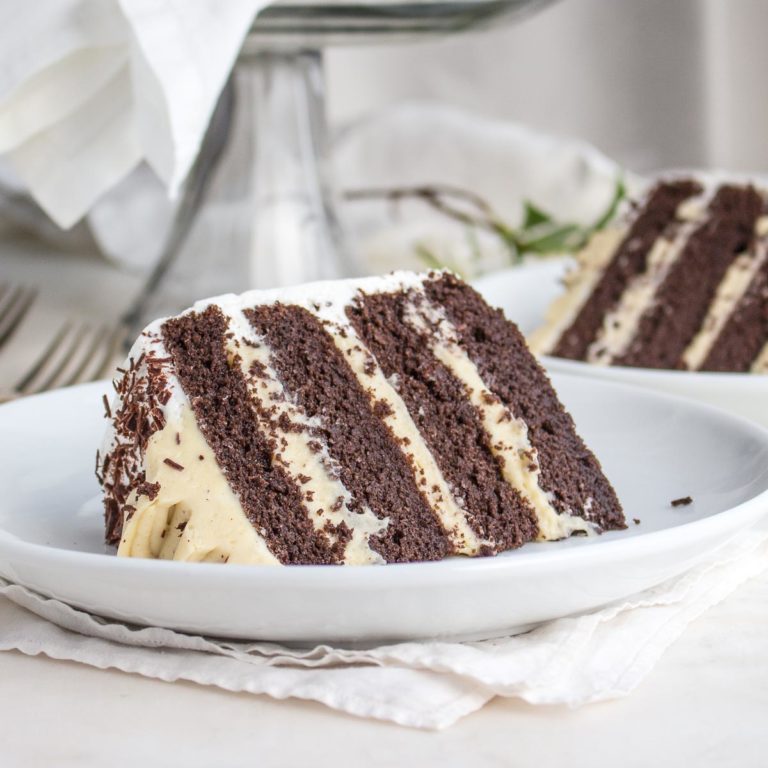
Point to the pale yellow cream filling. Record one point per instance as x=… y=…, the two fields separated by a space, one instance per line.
x=195 y=517
x=428 y=476
x=593 y=259
x=325 y=496
x=761 y=361
x=507 y=434
x=729 y=293
x=621 y=323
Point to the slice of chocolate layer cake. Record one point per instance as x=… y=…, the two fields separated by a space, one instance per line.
x=389 y=419
x=679 y=281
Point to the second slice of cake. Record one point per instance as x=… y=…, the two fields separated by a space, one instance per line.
x=389 y=419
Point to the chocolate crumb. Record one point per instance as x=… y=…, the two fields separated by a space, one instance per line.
x=173 y=464
x=150 y=490
x=684 y=501
x=107 y=409
x=636 y=520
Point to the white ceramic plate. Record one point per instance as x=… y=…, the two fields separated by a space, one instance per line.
x=654 y=449
x=525 y=293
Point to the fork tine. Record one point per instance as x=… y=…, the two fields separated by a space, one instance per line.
x=23 y=385
x=52 y=380
x=100 y=337
x=91 y=364
x=15 y=311
x=110 y=352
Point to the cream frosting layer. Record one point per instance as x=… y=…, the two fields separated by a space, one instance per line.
x=507 y=434
x=195 y=516
x=428 y=477
x=579 y=284
x=761 y=361
x=621 y=323
x=729 y=293
x=296 y=450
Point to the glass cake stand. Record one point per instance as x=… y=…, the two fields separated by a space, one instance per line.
x=262 y=175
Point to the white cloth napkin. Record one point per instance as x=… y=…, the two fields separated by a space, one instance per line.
x=89 y=88
x=572 y=661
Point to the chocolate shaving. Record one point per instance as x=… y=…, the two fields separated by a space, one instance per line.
x=142 y=389
x=684 y=501
x=173 y=464
x=96 y=470
x=150 y=490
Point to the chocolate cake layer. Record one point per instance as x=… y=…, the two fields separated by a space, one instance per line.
x=569 y=471
x=630 y=260
x=681 y=302
x=446 y=419
x=746 y=331
x=219 y=399
x=372 y=465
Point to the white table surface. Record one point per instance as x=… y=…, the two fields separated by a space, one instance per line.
x=705 y=704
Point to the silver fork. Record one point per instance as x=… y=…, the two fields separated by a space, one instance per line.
x=15 y=303
x=77 y=353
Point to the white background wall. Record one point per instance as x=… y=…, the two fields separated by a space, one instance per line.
x=653 y=83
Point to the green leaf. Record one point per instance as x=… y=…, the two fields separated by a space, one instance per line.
x=619 y=193
x=539 y=234
x=533 y=216
x=428 y=257
x=557 y=240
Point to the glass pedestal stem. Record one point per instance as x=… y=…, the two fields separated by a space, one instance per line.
x=280 y=105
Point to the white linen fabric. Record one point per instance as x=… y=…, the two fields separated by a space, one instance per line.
x=89 y=88
x=574 y=661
